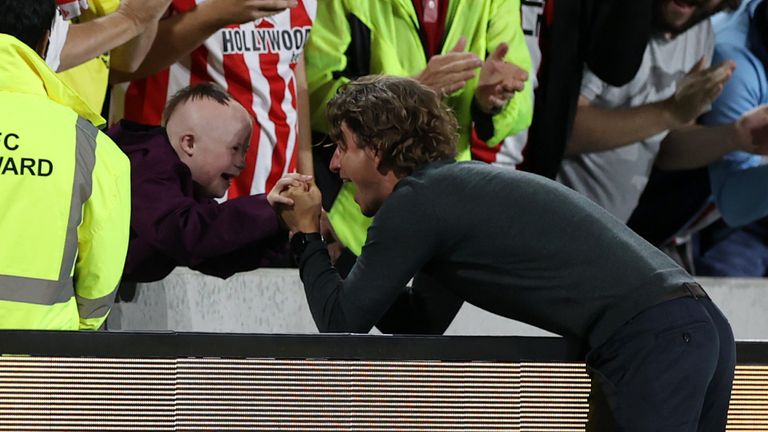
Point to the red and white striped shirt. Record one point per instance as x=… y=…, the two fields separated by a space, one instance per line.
x=255 y=62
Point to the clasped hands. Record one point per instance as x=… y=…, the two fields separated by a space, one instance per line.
x=297 y=201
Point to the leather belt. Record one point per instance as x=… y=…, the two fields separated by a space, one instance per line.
x=688 y=289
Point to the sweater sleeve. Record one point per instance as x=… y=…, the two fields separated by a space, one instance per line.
x=261 y=254
x=199 y=233
x=401 y=240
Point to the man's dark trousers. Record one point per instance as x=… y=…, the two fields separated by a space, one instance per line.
x=670 y=368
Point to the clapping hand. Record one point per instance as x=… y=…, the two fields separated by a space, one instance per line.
x=499 y=81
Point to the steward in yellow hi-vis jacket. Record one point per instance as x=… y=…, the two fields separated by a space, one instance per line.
x=65 y=194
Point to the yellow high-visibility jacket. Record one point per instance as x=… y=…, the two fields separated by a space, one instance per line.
x=352 y=38
x=90 y=79
x=64 y=201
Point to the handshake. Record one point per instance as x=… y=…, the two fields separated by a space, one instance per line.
x=297 y=202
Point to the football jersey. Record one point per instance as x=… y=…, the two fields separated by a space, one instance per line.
x=255 y=62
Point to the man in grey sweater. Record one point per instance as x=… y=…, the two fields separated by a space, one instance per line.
x=661 y=354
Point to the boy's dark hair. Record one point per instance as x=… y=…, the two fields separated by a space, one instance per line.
x=27 y=20
x=403 y=121
x=207 y=90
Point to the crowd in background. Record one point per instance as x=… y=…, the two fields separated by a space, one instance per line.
x=652 y=108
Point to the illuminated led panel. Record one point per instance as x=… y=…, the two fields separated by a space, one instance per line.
x=211 y=394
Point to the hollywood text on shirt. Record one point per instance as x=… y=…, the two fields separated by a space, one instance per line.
x=264 y=40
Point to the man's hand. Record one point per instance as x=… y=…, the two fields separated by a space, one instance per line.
x=297 y=180
x=143 y=12
x=449 y=72
x=697 y=90
x=243 y=11
x=304 y=214
x=750 y=132
x=499 y=80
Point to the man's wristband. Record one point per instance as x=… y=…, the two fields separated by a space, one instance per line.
x=300 y=241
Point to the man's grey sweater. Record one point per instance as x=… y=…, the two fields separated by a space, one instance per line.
x=512 y=243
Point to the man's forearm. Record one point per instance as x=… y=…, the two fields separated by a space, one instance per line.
x=88 y=40
x=176 y=37
x=129 y=56
x=695 y=146
x=598 y=129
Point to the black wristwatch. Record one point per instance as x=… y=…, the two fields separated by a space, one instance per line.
x=299 y=243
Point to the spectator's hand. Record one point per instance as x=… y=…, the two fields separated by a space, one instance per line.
x=499 y=80
x=243 y=11
x=143 y=12
x=697 y=90
x=750 y=132
x=449 y=72
x=304 y=214
x=289 y=180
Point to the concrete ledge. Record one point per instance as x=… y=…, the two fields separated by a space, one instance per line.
x=272 y=301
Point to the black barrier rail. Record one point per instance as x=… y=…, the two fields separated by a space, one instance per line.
x=115 y=381
x=288 y=346
x=330 y=346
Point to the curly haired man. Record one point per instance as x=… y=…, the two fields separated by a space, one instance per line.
x=661 y=355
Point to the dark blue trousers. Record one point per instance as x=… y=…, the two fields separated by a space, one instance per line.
x=670 y=368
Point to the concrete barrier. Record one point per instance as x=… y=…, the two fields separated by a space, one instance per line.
x=272 y=301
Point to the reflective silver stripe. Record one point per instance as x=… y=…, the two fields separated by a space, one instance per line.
x=85 y=145
x=47 y=292
x=37 y=291
x=95 y=308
